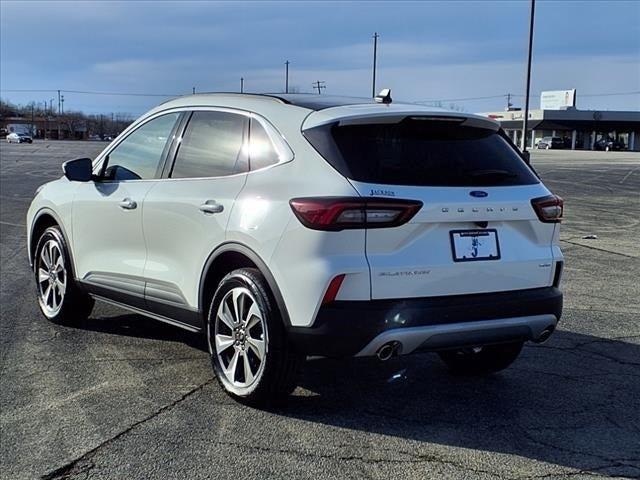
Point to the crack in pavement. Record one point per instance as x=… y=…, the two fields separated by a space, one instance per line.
x=592 y=472
x=600 y=310
x=415 y=457
x=600 y=249
x=579 y=350
x=611 y=462
x=84 y=463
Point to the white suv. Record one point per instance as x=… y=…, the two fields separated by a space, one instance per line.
x=286 y=226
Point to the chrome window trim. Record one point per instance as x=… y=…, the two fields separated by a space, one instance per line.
x=278 y=141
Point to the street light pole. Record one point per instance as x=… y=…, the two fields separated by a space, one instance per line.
x=375 y=54
x=241 y=84
x=286 y=77
x=525 y=120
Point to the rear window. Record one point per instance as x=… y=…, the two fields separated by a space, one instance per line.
x=421 y=153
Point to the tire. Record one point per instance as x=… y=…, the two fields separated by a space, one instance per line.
x=481 y=360
x=60 y=299
x=255 y=340
x=547 y=147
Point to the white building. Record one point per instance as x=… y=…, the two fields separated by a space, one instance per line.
x=580 y=128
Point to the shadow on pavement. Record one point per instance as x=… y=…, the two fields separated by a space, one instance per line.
x=574 y=402
x=139 y=326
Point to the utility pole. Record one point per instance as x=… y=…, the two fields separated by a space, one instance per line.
x=62 y=100
x=319 y=85
x=241 y=84
x=286 y=77
x=46 y=121
x=58 y=118
x=525 y=120
x=509 y=105
x=375 y=55
x=193 y=91
x=51 y=106
x=33 y=105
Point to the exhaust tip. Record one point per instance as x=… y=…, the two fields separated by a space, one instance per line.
x=546 y=333
x=388 y=350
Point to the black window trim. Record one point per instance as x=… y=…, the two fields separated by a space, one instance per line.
x=102 y=161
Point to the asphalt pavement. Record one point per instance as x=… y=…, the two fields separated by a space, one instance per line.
x=123 y=397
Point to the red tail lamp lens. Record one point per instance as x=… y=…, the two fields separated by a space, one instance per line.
x=340 y=213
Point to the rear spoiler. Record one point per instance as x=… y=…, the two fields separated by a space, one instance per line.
x=357 y=115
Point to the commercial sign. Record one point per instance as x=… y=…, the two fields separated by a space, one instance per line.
x=558 y=99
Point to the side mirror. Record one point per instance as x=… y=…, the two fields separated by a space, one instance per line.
x=80 y=170
x=527 y=157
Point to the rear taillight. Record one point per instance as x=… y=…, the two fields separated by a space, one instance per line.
x=549 y=209
x=340 y=213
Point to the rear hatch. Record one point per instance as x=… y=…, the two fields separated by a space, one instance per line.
x=476 y=231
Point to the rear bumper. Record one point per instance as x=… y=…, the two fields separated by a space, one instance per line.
x=359 y=328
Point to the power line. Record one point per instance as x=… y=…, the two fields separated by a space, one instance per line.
x=608 y=94
x=463 y=99
x=135 y=94
x=86 y=92
x=505 y=95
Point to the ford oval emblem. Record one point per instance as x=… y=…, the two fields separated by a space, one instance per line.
x=478 y=194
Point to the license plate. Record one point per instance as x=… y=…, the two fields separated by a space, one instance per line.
x=472 y=245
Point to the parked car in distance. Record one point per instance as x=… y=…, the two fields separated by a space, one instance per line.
x=608 y=144
x=292 y=225
x=19 y=138
x=551 y=142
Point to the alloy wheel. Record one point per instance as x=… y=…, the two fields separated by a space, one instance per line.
x=52 y=278
x=239 y=338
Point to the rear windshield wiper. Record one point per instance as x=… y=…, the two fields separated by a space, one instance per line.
x=491 y=173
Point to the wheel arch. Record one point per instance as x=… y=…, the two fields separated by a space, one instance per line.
x=226 y=258
x=43 y=219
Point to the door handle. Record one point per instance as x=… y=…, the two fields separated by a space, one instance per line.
x=128 y=204
x=211 y=206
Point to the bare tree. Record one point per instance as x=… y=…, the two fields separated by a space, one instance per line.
x=73 y=121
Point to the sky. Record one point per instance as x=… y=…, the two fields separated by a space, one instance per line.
x=454 y=52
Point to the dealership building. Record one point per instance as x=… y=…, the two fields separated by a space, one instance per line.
x=580 y=129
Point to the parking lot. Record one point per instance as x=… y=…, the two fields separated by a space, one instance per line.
x=121 y=396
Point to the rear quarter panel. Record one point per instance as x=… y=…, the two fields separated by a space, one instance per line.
x=302 y=261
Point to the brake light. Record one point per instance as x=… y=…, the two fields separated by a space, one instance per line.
x=549 y=209
x=332 y=290
x=340 y=213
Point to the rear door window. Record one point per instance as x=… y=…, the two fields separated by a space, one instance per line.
x=212 y=146
x=421 y=152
